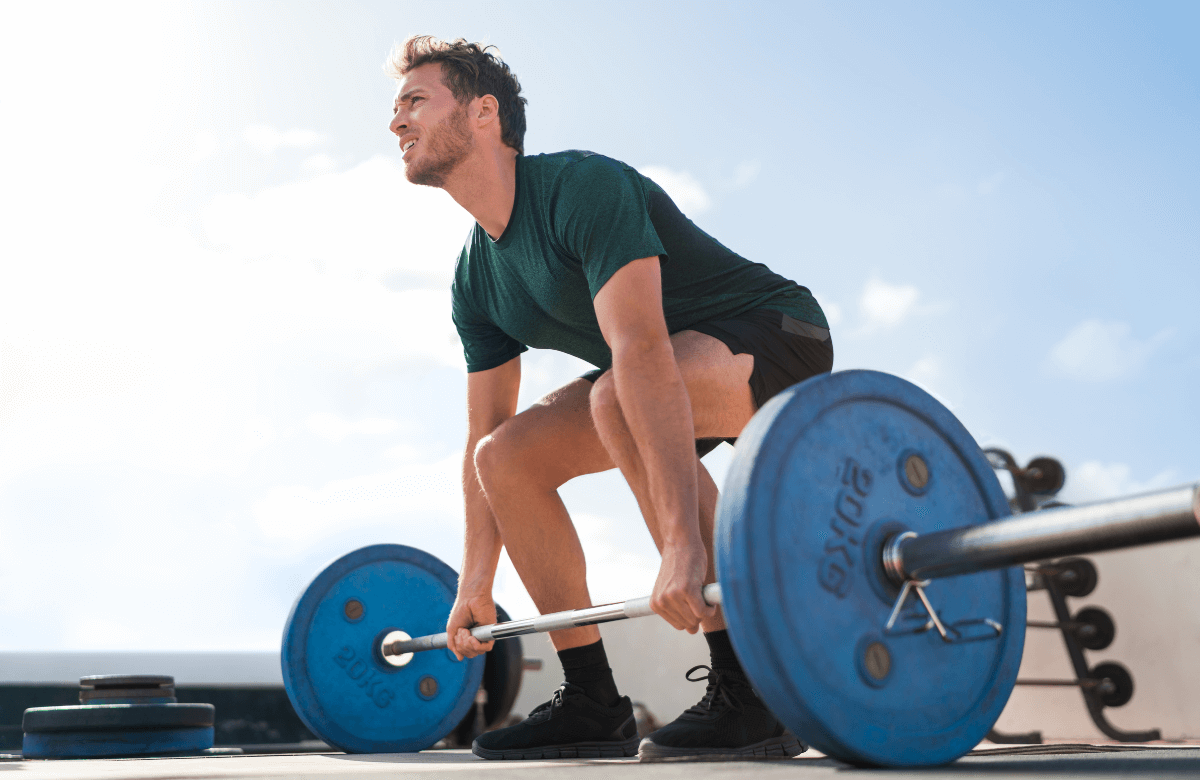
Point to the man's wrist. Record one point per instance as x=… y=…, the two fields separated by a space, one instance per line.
x=479 y=585
x=683 y=540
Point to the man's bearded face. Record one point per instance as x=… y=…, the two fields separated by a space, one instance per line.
x=441 y=149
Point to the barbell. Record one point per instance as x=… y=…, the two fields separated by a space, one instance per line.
x=866 y=564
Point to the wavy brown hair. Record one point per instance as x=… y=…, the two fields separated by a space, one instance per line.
x=469 y=70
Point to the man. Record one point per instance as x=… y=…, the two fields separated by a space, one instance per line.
x=580 y=253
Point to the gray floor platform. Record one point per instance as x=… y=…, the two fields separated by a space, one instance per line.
x=1075 y=761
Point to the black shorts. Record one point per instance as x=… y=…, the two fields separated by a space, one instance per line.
x=785 y=350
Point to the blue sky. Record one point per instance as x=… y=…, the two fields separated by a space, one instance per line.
x=225 y=348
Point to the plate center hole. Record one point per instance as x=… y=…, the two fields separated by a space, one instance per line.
x=397 y=660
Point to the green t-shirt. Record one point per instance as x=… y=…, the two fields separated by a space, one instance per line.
x=578 y=217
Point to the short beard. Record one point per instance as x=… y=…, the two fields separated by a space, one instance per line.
x=447 y=145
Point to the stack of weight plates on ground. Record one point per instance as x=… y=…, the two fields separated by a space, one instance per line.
x=120 y=715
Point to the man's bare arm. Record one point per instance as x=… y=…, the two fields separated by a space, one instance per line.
x=491 y=399
x=657 y=410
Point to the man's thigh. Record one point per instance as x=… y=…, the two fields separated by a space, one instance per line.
x=555 y=438
x=718 y=384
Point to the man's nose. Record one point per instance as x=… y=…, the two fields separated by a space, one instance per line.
x=399 y=123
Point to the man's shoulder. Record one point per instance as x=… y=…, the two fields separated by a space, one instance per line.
x=473 y=248
x=551 y=166
x=578 y=177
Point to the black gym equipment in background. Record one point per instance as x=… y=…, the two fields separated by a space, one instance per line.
x=1108 y=684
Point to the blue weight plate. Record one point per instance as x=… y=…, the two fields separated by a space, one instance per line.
x=135 y=742
x=821 y=477
x=333 y=671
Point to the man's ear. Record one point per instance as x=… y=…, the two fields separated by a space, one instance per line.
x=487 y=110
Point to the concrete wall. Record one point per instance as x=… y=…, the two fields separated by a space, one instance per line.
x=1153 y=595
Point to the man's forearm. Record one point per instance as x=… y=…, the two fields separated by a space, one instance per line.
x=481 y=544
x=657 y=410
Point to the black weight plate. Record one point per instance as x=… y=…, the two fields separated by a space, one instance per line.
x=1044 y=476
x=84 y=698
x=820 y=477
x=126 y=695
x=1076 y=577
x=116 y=717
x=502 y=674
x=503 y=668
x=1121 y=679
x=127 y=681
x=1103 y=629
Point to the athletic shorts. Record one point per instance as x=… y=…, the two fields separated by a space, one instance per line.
x=785 y=350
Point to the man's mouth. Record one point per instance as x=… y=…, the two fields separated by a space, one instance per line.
x=408 y=145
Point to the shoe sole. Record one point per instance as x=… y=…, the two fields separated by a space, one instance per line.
x=784 y=746
x=572 y=750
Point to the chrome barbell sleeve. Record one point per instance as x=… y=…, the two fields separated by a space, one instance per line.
x=1132 y=521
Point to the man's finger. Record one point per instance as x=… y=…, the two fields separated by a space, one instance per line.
x=660 y=609
x=700 y=607
x=469 y=646
x=452 y=644
x=679 y=617
x=476 y=646
x=464 y=640
x=667 y=611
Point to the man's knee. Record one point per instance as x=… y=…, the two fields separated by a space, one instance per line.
x=512 y=455
x=603 y=398
x=494 y=456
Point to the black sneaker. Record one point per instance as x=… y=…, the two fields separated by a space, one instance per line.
x=570 y=725
x=730 y=722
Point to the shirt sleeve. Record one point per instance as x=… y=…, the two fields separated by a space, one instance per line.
x=602 y=217
x=484 y=344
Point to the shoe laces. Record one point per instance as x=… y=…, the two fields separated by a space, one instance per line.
x=556 y=700
x=720 y=689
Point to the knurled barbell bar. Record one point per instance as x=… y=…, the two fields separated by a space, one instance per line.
x=866 y=576
x=1160 y=516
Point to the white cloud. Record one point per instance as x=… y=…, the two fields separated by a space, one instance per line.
x=1100 y=351
x=123 y=339
x=833 y=313
x=267 y=139
x=204 y=146
x=319 y=163
x=886 y=305
x=926 y=370
x=302 y=514
x=745 y=173
x=689 y=195
x=928 y=374
x=335 y=428
x=167 y=393
x=366 y=220
x=1096 y=481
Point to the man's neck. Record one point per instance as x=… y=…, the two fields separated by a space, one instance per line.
x=486 y=186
